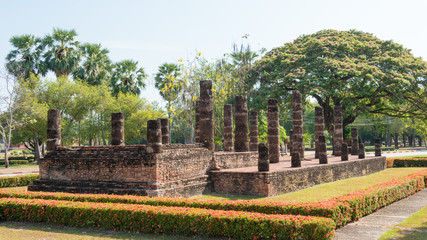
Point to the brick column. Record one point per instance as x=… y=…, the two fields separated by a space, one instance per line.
x=273 y=134
x=338 y=131
x=253 y=138
x=377 y=147
x=323 y=156
x=354 y=141
x=53 y=129
x=297 y=124
x=165 y=130
x=117 y=129
x=318 y=128
x=197 y=123
x=361 y=150
x=154 y=135
x=344 y=152
x=228 y=128
x=241 y=139
x=206 y=128
x=263 y=162
x=295 y=159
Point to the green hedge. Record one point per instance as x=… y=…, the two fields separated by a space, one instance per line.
x=367 y=201
x=338 y=211
x=15 y=162
x=414 y=162
x=169 y=220
x=18 y=181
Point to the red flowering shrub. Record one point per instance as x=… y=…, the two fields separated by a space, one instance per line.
x=165 y=219
x=364 y=202
x=18 y=181
x=338 y=211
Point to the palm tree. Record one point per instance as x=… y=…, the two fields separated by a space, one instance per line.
x=24 y=60
x=95 y=66
x=127 y=77
x=62 y=55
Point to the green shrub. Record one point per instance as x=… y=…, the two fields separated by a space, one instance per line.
x=13 y=162
x=18 y=181
x=415 y=162
x=164 y=219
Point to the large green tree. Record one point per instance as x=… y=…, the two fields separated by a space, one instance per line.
x=95 y=65
x=353 y=69
x=127 y=77
x=24 y=59
x=62 y=53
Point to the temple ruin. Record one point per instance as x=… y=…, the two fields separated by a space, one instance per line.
x=160 y=168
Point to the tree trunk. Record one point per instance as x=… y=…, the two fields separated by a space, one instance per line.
x=396 y=140
x=36 y=149
x=410 y=140
x=420 y=142
x=6 y=158
x=404 y=139
x=43 y=153
x=413 y=132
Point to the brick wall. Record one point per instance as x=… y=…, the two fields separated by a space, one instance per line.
x=292 y=179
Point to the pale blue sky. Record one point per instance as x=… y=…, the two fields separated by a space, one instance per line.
x=154 y=32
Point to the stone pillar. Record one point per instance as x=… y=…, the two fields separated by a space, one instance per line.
x=165 y=130
x=323 y=156
x=291 y=140
x=206 y=129
x=117 y=129
x=253 y=138
x=297 y=124
x=318 y=128
x=354 y=141
x=241 y=139
x=53 y=129
x=197 y=123
x=295 y=159
x=377 y=147
x=361 y=150
x=338 y=131
x=263 y=162
x=154 y=135
x=228 y=128
x=344 y=152
x=273 y=133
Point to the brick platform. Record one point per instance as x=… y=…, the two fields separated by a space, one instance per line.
x=282 y=178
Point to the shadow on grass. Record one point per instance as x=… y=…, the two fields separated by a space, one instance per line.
x=419 y=233
x=27 y=231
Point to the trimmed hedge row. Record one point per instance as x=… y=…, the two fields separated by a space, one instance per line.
x=339 y=212
x=13 y=162
x=18 y=181
x=410 y=162
x=367 y=201
x=170 y=220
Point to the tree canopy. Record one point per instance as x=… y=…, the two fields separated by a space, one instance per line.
x=353 y=69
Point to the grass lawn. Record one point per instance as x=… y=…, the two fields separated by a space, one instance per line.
x=28 y=231
x=327 y=190
x=414 y=228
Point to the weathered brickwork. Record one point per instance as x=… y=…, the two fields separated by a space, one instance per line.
x=354 y=141
x=180 y=170
x=241 y=139
x=276 y=182
x=263 y=161
x=338 y=130
x=117 y=129
x=206 y=125
x=253 y=121
x=228 y=128
x=273 y=135
x=53 y=129
x=318 y=128
x=297 y=124
x=229 y=160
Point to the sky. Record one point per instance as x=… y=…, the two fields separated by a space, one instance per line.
x=155 y=32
